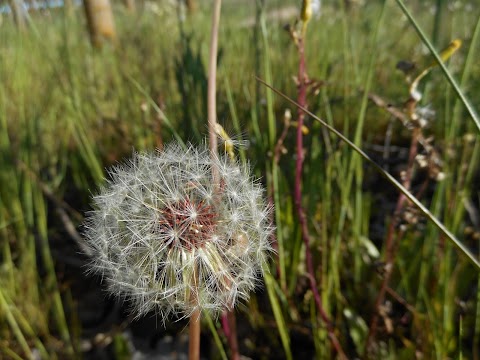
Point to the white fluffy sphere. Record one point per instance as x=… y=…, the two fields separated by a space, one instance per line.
x=168 y=237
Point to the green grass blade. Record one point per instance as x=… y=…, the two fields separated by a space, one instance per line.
x=277 y=313
x=14 y=326
x=467 y=69
x=355 y=163
x=11 y=354
x=476 y=333
x=50 y=283
x=272 y=130
x=30 y=333
x=435 y=54
x=216 y=338
x=272 y=138
x=158 y=110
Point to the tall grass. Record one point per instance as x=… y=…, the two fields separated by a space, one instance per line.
x=67 y=111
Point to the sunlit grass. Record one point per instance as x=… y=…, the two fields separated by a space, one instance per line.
x=68 y=111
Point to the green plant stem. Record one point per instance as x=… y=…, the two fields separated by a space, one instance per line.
x=216 y=337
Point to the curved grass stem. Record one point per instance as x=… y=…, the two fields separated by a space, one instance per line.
x=461 y=247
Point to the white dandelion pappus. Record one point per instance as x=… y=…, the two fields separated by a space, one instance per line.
x=162 y=230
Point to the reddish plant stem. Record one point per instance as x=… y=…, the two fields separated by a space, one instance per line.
x=225 y=326
x=389 y=242
x=401 y=300
x=232 y=336
x=302 y=101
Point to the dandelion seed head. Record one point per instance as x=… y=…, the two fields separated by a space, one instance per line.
x=162 y=229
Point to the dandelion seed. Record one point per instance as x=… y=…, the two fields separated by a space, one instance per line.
x=229 y=142
x=162 y=230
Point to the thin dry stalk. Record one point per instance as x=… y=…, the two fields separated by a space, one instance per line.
x=212 y=121
x=194 y=328
x=279 y=145
x=212 y=77
x=390 y=240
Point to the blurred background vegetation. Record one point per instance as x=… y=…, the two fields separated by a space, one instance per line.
x=73 y=102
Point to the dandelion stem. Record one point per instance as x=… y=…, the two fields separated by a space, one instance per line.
x=194 y=325
x=232 y=336
x=194 y=336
